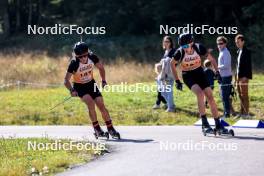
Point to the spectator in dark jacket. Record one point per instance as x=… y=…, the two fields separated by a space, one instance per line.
x=243 y=74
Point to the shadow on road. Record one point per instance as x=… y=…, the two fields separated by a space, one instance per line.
x=239 y=137
x=132 y=140
x=249 y=138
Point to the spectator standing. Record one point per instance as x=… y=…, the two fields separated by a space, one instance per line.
x=243 y=74
x=224 y=66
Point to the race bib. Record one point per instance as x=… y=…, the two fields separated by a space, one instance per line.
x=191 y=62
x=84 y=73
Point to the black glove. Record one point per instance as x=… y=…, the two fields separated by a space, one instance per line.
x=104 y=83
x=218 y=77
x=73 y=92
x=178 y=84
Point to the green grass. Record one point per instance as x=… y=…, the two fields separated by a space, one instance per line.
x=16 y=159
x=29 y=106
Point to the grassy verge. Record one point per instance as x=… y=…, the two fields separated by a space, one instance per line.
x=30 y=106
x=16 y=159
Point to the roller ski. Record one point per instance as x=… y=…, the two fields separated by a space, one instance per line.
x=111 y=130
x=206 y=128
x=224 y=132
x=99 y=134
x=113 y=133
x=221 y=130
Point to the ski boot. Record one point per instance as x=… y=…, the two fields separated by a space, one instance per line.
x=206 y=128
x=114 y=134
x=221 y=130
x=98 y=132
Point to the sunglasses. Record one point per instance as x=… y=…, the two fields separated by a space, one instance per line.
x=220 y=43
x=186 y=46
x=82 y=56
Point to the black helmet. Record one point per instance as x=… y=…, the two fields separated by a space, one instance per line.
x=185 y=39
x=80 y=48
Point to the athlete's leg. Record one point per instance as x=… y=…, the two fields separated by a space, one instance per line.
x=105 y=114
x=200 y=98
x=201 y=106
x=209 y=96
x=100 y=104
x=87 y=99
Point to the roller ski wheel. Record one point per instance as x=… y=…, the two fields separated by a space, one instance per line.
x=216 y=132
x=101 y=134
x=117 y=136
x=224 y=132
x=114 y=134
x=207 y=130
x=231 y=132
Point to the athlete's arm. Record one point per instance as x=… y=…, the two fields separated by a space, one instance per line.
x=173 y=63
x=67 y=79
x=101 y=69
x=68 y=84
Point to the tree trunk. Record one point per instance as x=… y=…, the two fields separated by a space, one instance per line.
x=17 y=16
x=6 y=23
x=39 y=10
x=30 y=12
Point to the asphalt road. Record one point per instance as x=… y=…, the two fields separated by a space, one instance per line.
x=162 y=150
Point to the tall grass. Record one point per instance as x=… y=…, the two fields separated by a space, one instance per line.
x=41 y=68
